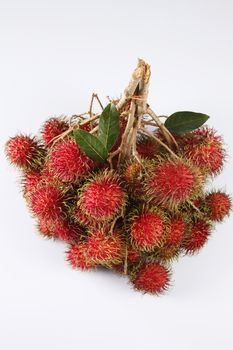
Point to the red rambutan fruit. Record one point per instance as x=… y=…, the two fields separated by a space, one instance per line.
x=67 y=162
x=218 y=205
x=46 y=227
x=152 y=278
x=147 y=230
x=102 y=197
x=78 y=257
x=168 y=253
x=47 y=202
x=30 y=180
x=105 y=249
x=205 y=149
x=148 y=148
x=173 y=182
x=132 y=254
x=67 y=232
x=175 y=231
x=197 y=237
x=52 y=128
x=25 y=152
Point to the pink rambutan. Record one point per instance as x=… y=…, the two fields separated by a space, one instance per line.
x=67 y=162
x=175 y=231
x=78 y=257
x=52 y=128
x=146 y=229
x=173 y=182
x=205 y=149
x=105 y=249
x=102 y=197
x=197 y=237
x=25 y=152
x=152 y=278
x=218 y=205
x=47 y=202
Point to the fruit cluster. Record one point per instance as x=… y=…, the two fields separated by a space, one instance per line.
x=133 y=216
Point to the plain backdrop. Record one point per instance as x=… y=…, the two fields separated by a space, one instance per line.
x=53 y=56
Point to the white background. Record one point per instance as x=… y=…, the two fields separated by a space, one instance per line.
x=54 y=54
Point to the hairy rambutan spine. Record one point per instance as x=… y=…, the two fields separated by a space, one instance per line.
x=147 y=229
x=102 y=197
x=47 y=202
x=152 y=278
x=67 y=162
x=205 y=149
x=25 y=152
x=52 y=128
x=197 y=237
x=104 y=248
x=173 y=182
x=218 y=205
x=78 y=257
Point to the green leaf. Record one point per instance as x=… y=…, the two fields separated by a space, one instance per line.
x=109 y=126
x=90 y=145
x=185 y=121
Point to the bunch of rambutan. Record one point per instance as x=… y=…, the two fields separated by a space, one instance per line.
x=124 y=190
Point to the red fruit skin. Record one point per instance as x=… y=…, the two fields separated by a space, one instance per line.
x=77 y=256
x=47 y=202
x=205 y=149
x=218 y=205
x=24 y=152
x=105 y=249
x=147 y=230
x=197 y=237
x=68 y=163
x=30 y=181
x=67 y=232
x=147 y=149
x=172 y=183
x=132 y=254
x=152 y=278
x=52 y=128
x=102 y=198
x=46 y=228
x=175 y=231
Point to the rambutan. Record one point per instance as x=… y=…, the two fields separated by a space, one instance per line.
x=147 y=229
x=167 y=253
x=132 y=254
x=46 y=227
x=197 y=237
x=175 y=231
x=218 y=205
x=205 y=149
x=67 y=232
x=47 y=202
x=152 y=278
x=148 y=148
x=105 y=248
x=25 y=152
x=102 y=197
x=173 y=182
x=67 y=162
x=78 y=257
x=52 y=128
x=30 y=180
